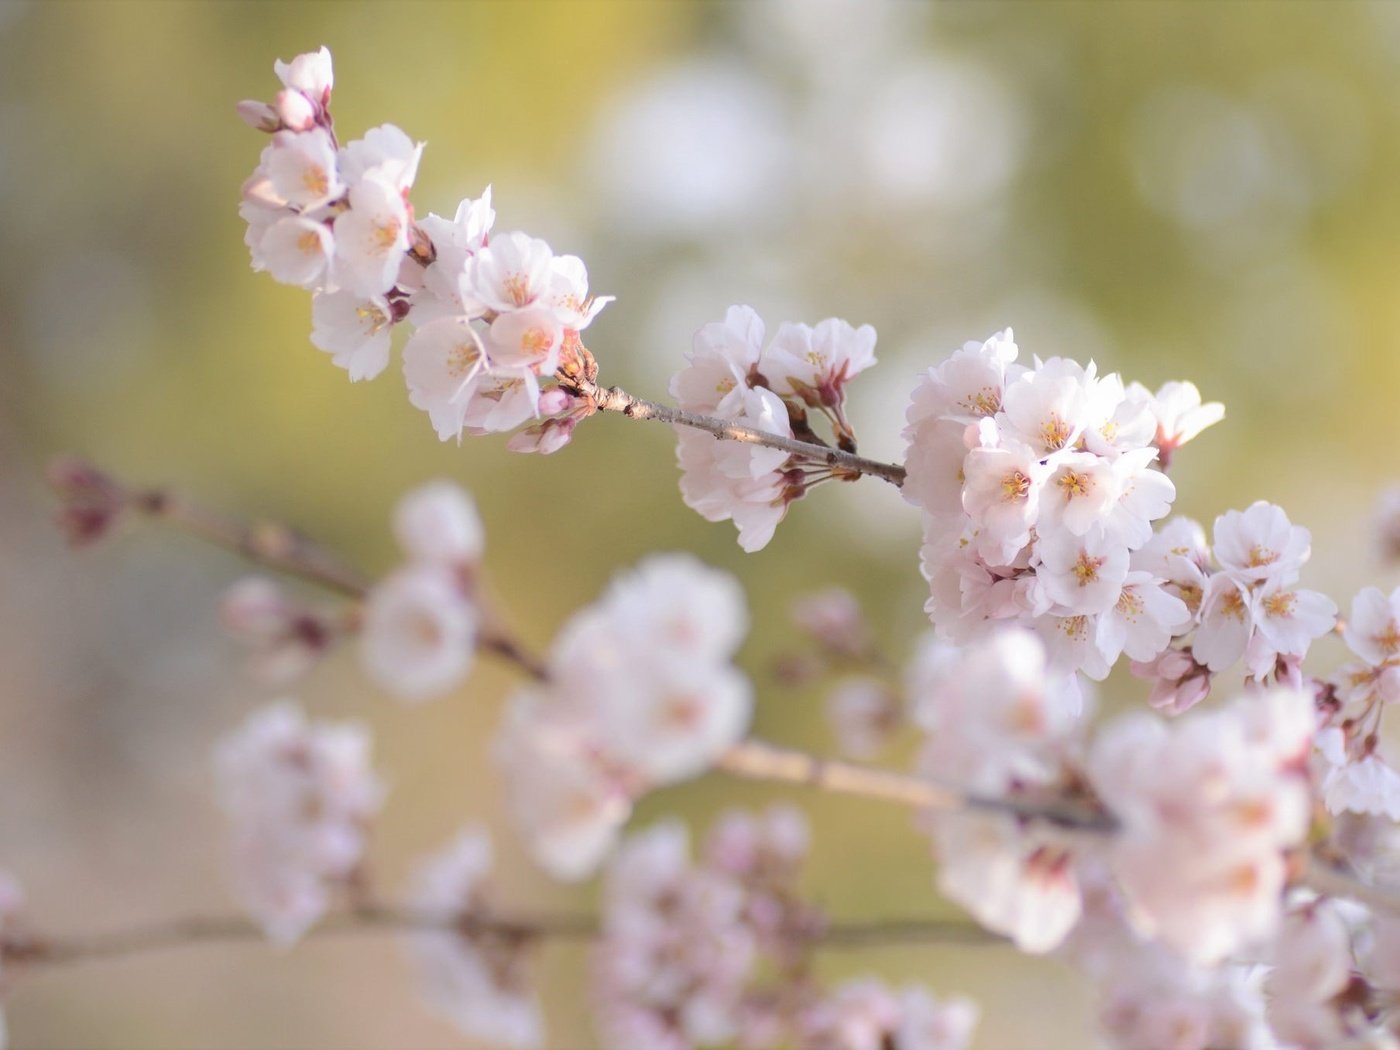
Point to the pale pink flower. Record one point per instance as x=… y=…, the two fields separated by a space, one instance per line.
x=1078 y=495
x=1312 y=964
x=834 y=620
x=1081 y=574
x=454 y=241
x=300 y=797
x=650 y=667
x=285 y=638
x=309 y=73
x=676 y=951
x=387 y=154
x=511 y=272
x=723 y=354
x=1364 y=783
x=1002 y=494
x=1179 y=683
x=1287 y=620
x=1260 y=543
x=1049 y=407
x=419 y=633
x=371 y=238
x=1226 y=623
x=301 y=168
x=866 y=1015
x=527 y=338
x=1208 y=806
x=566 y=803
x=443 y=363
x=356 y=332
x=568 y=293
x=814 y=364
x=1142 y=622
x=864 y=714
x=735 y=481
x=1016 y=880
x=476 y=981
x=1372 y=631
x=438 y=523
x=1180 y=416
x=297 y=251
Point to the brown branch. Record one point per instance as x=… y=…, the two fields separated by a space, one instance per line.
x=266 y=543
x=94 y=499
x=615 y=399
x=191 y=930
x=756 y=760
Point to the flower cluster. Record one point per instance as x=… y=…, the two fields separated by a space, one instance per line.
x=1208 y=807
x=420 y=622
x=1205 y=809
x=495 y=316
x=1245 y=607
x=475 y=979
x=715 y=952
x=1037 y=483
x=300 y=797
x=999 y=724
x=865 y=1014
x=641 y=692
x=731 y=374
x=1356 y=776
x=284 y=637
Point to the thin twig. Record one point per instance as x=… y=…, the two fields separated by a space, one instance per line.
x=267 y=543
x=615 y=399
x=191 y=930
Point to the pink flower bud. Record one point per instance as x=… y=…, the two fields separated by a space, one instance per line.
x=554 y=402
x=259 y=115
x=294 y=110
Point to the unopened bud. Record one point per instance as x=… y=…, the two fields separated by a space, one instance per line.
x=259 y=115
x=295 y=111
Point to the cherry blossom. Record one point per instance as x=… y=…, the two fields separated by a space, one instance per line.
x=478 y=982
x=299 y=796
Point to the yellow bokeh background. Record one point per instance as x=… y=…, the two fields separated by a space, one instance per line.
x=1179 y=190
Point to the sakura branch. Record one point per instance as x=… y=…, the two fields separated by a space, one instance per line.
x=841 y=462
x=190 y=931
x=1221 y=874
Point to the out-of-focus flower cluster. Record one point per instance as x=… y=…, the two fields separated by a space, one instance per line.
x=417 y=626
x=641 y=692
x=476 y=979
x=774 y=387
x=300 y=797
x=715 y=952
x=494 y=315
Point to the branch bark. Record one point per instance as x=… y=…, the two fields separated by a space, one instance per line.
x=615 y=399
x=191 y=930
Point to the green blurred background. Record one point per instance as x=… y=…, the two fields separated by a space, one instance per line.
x=1179 y=190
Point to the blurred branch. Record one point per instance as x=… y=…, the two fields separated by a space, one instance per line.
x=756 y=760
x=615 y=399
x=232 y=929
x=94 y=500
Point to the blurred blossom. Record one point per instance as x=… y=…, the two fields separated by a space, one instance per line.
x=942 y=132
x=1219 y=166
x=701 y=143
x=834 y=39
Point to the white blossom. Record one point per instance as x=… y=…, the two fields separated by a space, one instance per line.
x=419 y=632
x=476 y=981
x=356 y=332
x=300 y=797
